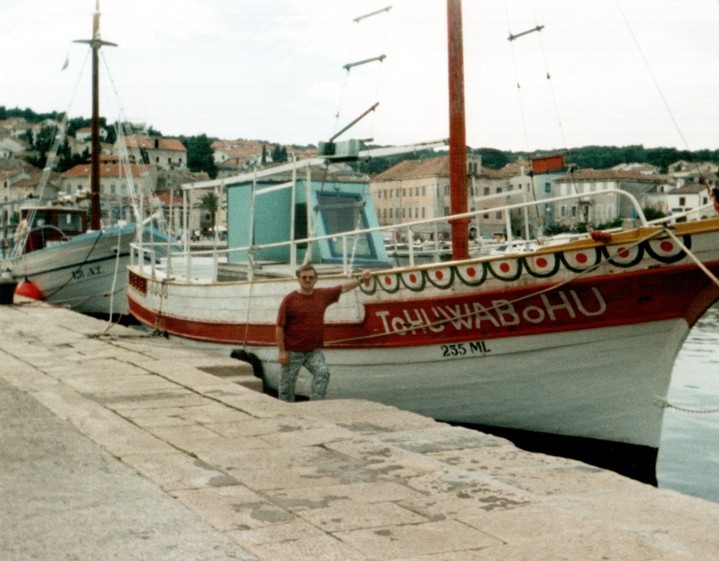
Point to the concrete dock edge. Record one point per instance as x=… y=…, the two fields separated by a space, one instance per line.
x=117 y=444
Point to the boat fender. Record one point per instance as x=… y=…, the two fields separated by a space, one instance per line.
x=28 y=289
x=603 y=237
x=251 y=359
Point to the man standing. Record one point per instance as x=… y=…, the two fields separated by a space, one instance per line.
x=299 y=331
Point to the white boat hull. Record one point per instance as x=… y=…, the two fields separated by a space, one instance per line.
x=573 y=384
x=87 y=273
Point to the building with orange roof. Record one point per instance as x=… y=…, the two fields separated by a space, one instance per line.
x=419 y=189
x=165 y=153
x=115 y=187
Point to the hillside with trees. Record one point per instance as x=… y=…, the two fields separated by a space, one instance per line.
x=200 y=157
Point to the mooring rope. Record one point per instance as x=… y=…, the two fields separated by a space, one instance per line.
x=666 y=404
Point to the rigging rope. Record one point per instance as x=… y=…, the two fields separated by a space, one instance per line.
x=713 y=193
x=19 y=245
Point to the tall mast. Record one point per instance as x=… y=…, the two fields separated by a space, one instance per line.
x=457 y=131
x=95 y=43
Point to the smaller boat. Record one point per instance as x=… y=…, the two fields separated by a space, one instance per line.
x=59 y=255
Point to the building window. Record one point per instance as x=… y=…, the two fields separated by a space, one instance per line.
x=547 y=187
x=485 y=191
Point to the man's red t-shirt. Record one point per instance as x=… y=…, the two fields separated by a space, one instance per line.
x=302 y=317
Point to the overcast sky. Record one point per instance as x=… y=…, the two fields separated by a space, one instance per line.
x=622 y=71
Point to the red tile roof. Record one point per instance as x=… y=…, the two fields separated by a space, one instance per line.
x=148 y=143
x=106 y=170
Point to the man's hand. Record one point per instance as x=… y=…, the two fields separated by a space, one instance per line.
x=282 y=358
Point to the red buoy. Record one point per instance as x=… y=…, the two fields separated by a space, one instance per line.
x=28 y=289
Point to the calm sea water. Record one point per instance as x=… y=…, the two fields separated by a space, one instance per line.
x=689 y=450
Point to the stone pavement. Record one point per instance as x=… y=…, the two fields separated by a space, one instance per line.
x=117 y=445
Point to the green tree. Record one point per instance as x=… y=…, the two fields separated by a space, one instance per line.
x=210 y=203
x=279 y=153
x=200 y=156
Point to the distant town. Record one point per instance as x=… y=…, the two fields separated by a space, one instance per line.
x=402 y=190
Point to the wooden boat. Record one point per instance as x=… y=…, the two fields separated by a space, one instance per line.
x=574 y=339
x=57 y=255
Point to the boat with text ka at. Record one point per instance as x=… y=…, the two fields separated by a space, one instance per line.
x=576 y=337
x=62 y=250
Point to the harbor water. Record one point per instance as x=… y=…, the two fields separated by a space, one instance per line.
x=689 y=451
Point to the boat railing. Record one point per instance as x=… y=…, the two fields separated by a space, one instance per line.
x=203 y=265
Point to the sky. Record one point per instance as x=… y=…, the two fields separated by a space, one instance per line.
x=620 y=72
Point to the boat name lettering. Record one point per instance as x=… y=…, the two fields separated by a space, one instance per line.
x=462 y=349
x=500 y=313
x=87 y=272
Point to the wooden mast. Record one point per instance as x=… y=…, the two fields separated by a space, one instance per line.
x=457 y=132
x=95 y=43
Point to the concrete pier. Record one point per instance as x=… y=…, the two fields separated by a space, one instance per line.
x=118 y=445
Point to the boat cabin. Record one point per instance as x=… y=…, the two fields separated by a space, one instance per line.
x=49 y=225
x=275 y=213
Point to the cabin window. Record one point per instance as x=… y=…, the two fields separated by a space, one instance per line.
x=301 y=224
x=344 y=213
x=70 y=223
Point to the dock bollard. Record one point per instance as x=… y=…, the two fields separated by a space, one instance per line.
x=7 y=287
